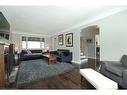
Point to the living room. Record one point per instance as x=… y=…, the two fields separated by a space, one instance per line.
x=52 y=33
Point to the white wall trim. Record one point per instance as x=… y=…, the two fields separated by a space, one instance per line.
x=106 y=14
x=76 y=62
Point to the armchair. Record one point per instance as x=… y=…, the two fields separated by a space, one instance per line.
x=65 y=57
x=116 y=71
x=62 y=55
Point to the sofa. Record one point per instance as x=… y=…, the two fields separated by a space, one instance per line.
x=62 y=55
x=116 y=71
x=30 y=54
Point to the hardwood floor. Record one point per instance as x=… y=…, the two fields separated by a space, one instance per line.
x=92 y=63
x=68 y=80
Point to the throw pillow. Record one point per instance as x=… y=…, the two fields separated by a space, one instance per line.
x=29 y=52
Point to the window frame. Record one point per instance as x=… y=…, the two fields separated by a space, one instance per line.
x=41 y=41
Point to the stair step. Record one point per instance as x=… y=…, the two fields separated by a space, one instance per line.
x=82 y=56
x=84 y=60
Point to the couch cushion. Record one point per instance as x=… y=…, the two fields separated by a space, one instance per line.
x=33 y=55
x=115 y=68
x=124 y=60
x=36 y=51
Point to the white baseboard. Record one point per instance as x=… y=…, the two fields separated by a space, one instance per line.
x=76 y=62
x=84 y=60
x=79 y=62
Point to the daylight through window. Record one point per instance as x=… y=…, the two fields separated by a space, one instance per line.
x=32 y=42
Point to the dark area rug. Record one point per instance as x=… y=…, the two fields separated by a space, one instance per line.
x=35 y=70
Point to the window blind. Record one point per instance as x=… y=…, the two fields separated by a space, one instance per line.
x=34 y=39
x=37 y=39
x=23 y=38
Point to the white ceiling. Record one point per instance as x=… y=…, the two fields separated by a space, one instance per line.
x=49 y=20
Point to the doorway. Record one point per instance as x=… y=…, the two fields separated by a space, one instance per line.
x=90 y=44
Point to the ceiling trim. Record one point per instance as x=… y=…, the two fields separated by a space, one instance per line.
x=106 y=14
x=31 y=34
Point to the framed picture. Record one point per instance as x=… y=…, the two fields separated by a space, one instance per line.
x=69 y=40
x=60 y=39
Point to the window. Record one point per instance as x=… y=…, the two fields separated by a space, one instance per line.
x=32 y=42
x=24 y=44
x=42 y=45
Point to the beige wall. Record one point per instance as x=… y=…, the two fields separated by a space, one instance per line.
x=16 y=39
x=113 y=37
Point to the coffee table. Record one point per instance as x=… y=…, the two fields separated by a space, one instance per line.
x=50 y=58
x=97 y=80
